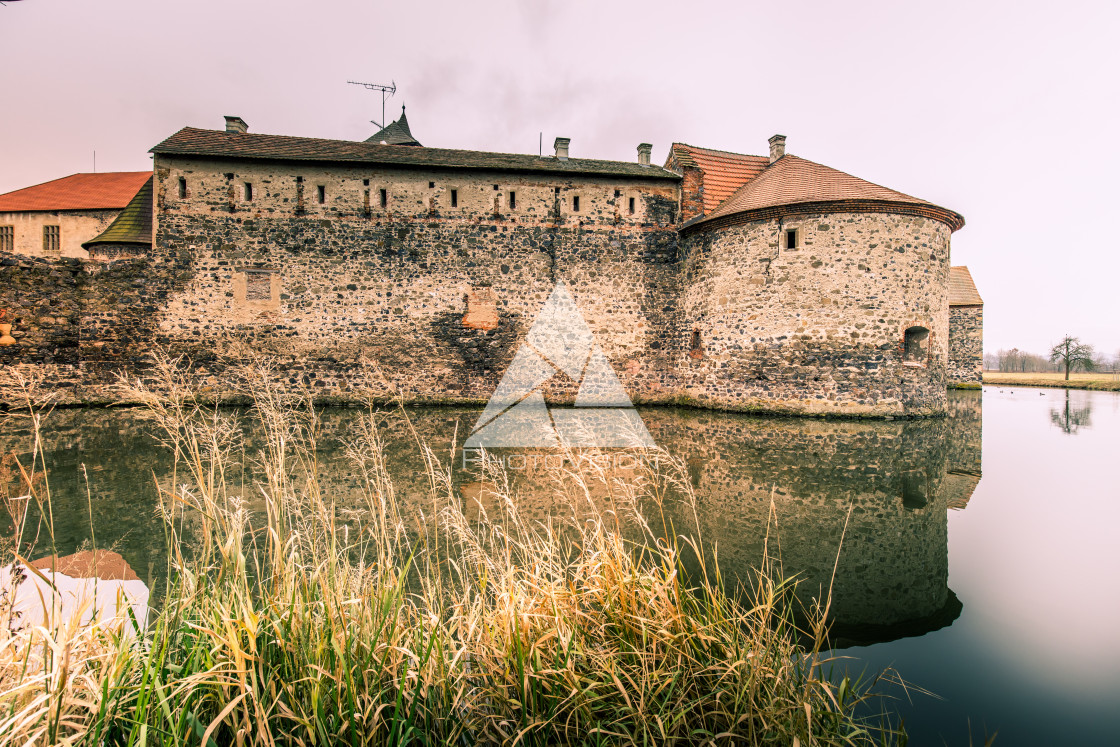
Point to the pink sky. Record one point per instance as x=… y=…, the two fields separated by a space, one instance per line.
x=1005 y=112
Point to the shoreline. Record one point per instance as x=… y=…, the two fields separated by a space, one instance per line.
x=1040 y=381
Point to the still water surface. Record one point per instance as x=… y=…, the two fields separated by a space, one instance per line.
x=981 y=557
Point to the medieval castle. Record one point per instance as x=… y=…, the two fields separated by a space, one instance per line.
x=760 y=283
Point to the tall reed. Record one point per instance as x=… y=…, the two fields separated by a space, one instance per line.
x=294 y=617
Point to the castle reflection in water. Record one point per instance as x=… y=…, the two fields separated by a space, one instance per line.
x=781 y=486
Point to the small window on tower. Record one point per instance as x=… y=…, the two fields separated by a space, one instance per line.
x=915 y=346
x=495 y=187
x=618 y=193
x=365 y=182
x=631 y=206
x=791 y=238
x=182 y=188
x=575 y=203
x=512 y=200
x=248 y=191
x=431 y=185
x=454 y=198
x=322 y=193
x=384 y=198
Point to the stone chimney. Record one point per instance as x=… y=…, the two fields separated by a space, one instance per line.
x=777 y=147
x=644 y=151
x=236 y=124
x=561 y=146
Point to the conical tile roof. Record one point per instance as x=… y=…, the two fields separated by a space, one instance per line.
x=134 y=223
x=395 y=133
x=792 y=180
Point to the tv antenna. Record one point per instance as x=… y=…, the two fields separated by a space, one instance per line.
x=386 y=92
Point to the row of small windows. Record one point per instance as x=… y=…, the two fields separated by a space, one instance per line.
x=321 y=194
x=52 y=239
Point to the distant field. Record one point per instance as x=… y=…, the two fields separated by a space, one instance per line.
x=1105 y=381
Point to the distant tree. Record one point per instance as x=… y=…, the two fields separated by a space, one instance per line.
x=1070 y=353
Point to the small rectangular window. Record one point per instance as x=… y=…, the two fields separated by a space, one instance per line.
x=575 y=203
x=495 y=187
x=512 y=200
x=258 y=286
x=182 y=188
x=248 y=192
x=618 y=193
x=631 y=206
x=322 y=193
x=791 y=238
x=384 y=198
x=365 y=182
x=431 y=185
x=556 y=189
x=454 y=198
x=51 y=239
x=7 y=238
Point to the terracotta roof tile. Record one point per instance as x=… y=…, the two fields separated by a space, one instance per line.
x=190 y=141
x=77 y=192
x=792 y=180
x=962 y=291
x=724 y=172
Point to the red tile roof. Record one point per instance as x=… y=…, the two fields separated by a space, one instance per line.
x=962 y=291
x=77 y=192
x=724 y=172
x=792 y=180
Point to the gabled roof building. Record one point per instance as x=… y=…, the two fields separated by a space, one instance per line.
x=53 y=219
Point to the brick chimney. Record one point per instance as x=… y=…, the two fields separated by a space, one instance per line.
x=644 y=151
x=236 y=124
x=777 y=147
x=561 y=146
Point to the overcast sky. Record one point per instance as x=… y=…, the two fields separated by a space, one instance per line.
x=1004 y=112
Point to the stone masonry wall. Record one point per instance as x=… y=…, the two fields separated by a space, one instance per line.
x=818 y=329
x=346 y=292
x=78 y=323
x=966 y=345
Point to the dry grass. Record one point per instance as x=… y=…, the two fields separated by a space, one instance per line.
x=1079 y=380
x=462 y=626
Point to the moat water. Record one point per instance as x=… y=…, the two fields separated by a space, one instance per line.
x=981 y=557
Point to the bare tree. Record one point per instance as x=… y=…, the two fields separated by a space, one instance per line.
x=1070 y=353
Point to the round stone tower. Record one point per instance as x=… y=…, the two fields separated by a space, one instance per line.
x=811 y=291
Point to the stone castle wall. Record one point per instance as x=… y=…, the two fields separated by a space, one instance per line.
x=423 y=283
x=966 y=346
x=338 y=293
x=819 y=328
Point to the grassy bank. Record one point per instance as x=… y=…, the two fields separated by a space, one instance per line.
x=293 y=619
x=1080 y=380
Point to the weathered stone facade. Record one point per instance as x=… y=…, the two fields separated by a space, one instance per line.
x=420 y=280
x=966 y=346
x=818 y=328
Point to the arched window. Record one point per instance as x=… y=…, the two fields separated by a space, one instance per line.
x=915 y=346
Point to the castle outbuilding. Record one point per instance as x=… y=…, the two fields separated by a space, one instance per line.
x=758 y=283
x=53 y=219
